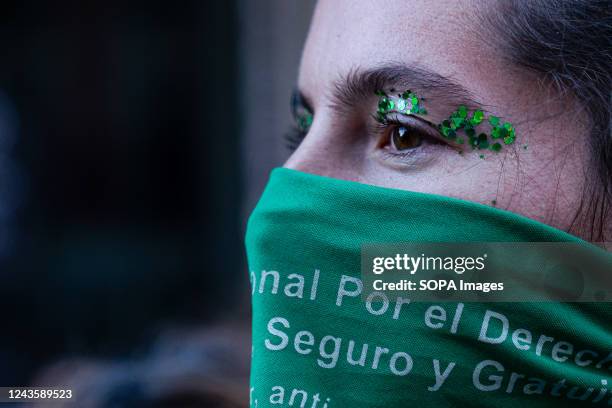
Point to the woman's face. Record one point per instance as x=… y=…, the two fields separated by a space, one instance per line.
x=441 y=51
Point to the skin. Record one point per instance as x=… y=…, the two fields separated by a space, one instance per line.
x=543 y=182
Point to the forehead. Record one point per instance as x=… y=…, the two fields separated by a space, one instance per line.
x=441 y=36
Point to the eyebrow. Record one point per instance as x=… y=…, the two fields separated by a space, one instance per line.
x=359 y=85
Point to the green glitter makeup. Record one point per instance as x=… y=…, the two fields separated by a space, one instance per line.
x=406 y=103
x=303 y=121
x=302 y=113
x=460 y=122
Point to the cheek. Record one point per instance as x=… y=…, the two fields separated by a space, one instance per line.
x=450 y=174
x=546 y=185
x=541 y=187
x=550 y=173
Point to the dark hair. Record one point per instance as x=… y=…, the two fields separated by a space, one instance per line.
x=569 y=44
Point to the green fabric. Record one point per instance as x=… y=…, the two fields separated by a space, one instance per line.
x=306 y=223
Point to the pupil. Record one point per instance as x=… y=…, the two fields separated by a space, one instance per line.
x=403 y=139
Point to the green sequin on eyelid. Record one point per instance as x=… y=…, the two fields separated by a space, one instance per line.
x=460 y=120
x=304 y=121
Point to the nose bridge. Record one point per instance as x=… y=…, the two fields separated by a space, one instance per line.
x=325 y=151
x=313 y=154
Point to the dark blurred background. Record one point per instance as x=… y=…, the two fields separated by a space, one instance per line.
x=135 y=138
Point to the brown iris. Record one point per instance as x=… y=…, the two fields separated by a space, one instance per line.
x=404 y=138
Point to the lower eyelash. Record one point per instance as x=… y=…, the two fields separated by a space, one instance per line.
x=386 y=155
x=414 y=159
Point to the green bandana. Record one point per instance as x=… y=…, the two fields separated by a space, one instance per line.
x=318 y=345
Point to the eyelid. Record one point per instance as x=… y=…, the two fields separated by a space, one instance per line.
x=298 y=100
x=423 y=125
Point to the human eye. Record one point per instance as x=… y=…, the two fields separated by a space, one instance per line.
x=404 y=138
x=303 y=116
x=405 y=134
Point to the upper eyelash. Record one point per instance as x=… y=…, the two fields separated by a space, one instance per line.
x=381 y=125
x=432 y=132
x=425 y=122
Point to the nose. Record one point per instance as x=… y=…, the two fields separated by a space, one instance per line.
x=313 y=155
x=327 y=151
